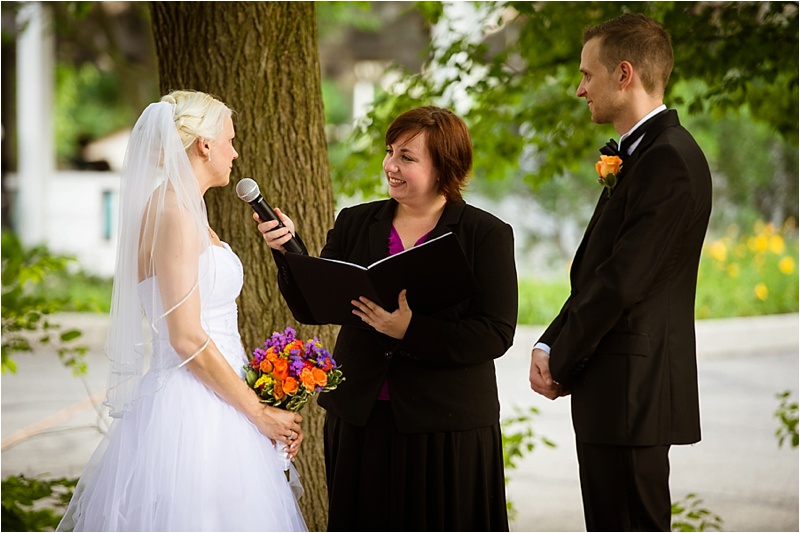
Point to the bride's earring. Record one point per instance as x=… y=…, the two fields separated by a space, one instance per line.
x=209 y=156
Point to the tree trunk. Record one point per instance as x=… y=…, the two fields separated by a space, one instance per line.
x=261 y=59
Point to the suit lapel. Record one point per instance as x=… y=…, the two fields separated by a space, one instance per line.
x=381 y=226
x=653 y=127
x=450 y=218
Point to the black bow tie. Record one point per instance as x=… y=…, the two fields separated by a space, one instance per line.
x=611 y=148
x=621 y=151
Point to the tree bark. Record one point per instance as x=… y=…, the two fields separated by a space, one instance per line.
x=261 y=59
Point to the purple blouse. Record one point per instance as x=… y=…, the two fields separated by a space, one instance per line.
x=395 y=247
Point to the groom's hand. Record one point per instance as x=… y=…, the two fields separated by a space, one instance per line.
x=540 y=378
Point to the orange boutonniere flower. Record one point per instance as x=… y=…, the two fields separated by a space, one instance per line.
x=608 y=168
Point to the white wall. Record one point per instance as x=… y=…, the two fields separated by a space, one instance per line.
x=75 y=217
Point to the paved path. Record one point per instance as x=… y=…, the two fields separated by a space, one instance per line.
x=50 y=428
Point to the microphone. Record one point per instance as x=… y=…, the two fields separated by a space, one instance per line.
x=248 y=191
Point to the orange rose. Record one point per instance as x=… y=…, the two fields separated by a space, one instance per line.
x=290 y=385
x=277 y=390
x=608 y=164
x=320 y=377
x=281 y=370
x=607 y=168
x=266 y=366
x=307 y=378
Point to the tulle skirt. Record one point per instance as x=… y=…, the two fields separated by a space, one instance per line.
x=183 y=460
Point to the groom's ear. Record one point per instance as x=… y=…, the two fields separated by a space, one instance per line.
x=626 y=72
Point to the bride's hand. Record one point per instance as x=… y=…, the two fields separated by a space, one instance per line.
x=276 y=238
x=294 y=448
x=279 y=424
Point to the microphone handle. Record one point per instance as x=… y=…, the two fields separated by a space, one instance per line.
x=265 y=213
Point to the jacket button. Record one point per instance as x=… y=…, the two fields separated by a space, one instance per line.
x=388 y=355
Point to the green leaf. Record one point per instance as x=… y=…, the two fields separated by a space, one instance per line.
x=70 y=335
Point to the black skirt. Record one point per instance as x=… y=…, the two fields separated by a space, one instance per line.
x=382 y=480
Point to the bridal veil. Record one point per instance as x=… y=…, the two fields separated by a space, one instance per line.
x=161 y=211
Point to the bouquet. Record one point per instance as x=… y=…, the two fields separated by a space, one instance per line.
x=288 y=372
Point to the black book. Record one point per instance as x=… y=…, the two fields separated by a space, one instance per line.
x=435 y=273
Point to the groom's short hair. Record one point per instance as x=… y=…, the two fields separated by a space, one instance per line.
x=641 y=41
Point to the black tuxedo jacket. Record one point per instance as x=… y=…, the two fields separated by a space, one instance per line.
x=441 y=375
x=624 y=341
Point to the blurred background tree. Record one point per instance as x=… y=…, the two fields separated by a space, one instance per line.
x=514 y=80
x=511 y=70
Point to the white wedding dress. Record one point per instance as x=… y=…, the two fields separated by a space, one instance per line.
x=182 y=459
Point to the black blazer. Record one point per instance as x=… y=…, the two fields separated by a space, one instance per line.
x=441 y=375
x=624 y=342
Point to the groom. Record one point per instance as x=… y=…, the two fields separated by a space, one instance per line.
x=623 y=344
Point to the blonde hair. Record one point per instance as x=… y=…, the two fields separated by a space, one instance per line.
x=197 y=115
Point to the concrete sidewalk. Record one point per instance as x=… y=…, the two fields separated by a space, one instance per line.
x=738 y=470
x=50 y=425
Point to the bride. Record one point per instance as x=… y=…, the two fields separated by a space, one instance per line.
x=191 y=447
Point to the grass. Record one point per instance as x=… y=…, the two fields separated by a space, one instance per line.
x=740 y=274
x=82 y=292
x=749 y=274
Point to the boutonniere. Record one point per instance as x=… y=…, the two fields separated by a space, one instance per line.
x=608 y=168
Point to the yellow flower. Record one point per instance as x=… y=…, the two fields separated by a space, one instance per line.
x=263 y=380
x=761 y=291
x=758 y=243
x=733 y=270
x=776 y=244
x=719 y=251
x=786 y=265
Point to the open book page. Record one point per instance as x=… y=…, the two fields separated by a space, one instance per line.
x=436 y=275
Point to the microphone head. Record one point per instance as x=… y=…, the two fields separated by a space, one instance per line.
x=247 y=189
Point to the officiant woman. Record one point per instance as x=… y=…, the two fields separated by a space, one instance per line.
x=412 y=437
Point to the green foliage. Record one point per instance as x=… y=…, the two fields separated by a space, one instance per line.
x=759 y=41
x=80 y=292
x=540 y=301
x=88 y=105
x=752 y=274
x=749 y=274
x=689 y=515
x=26 y=308
x=754 y=171
x=519 y=439
x=334 y=16
x=34 y=504
x=515 y=88
x=787 y=416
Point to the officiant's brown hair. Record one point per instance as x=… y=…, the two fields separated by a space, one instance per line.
x=448 y=141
